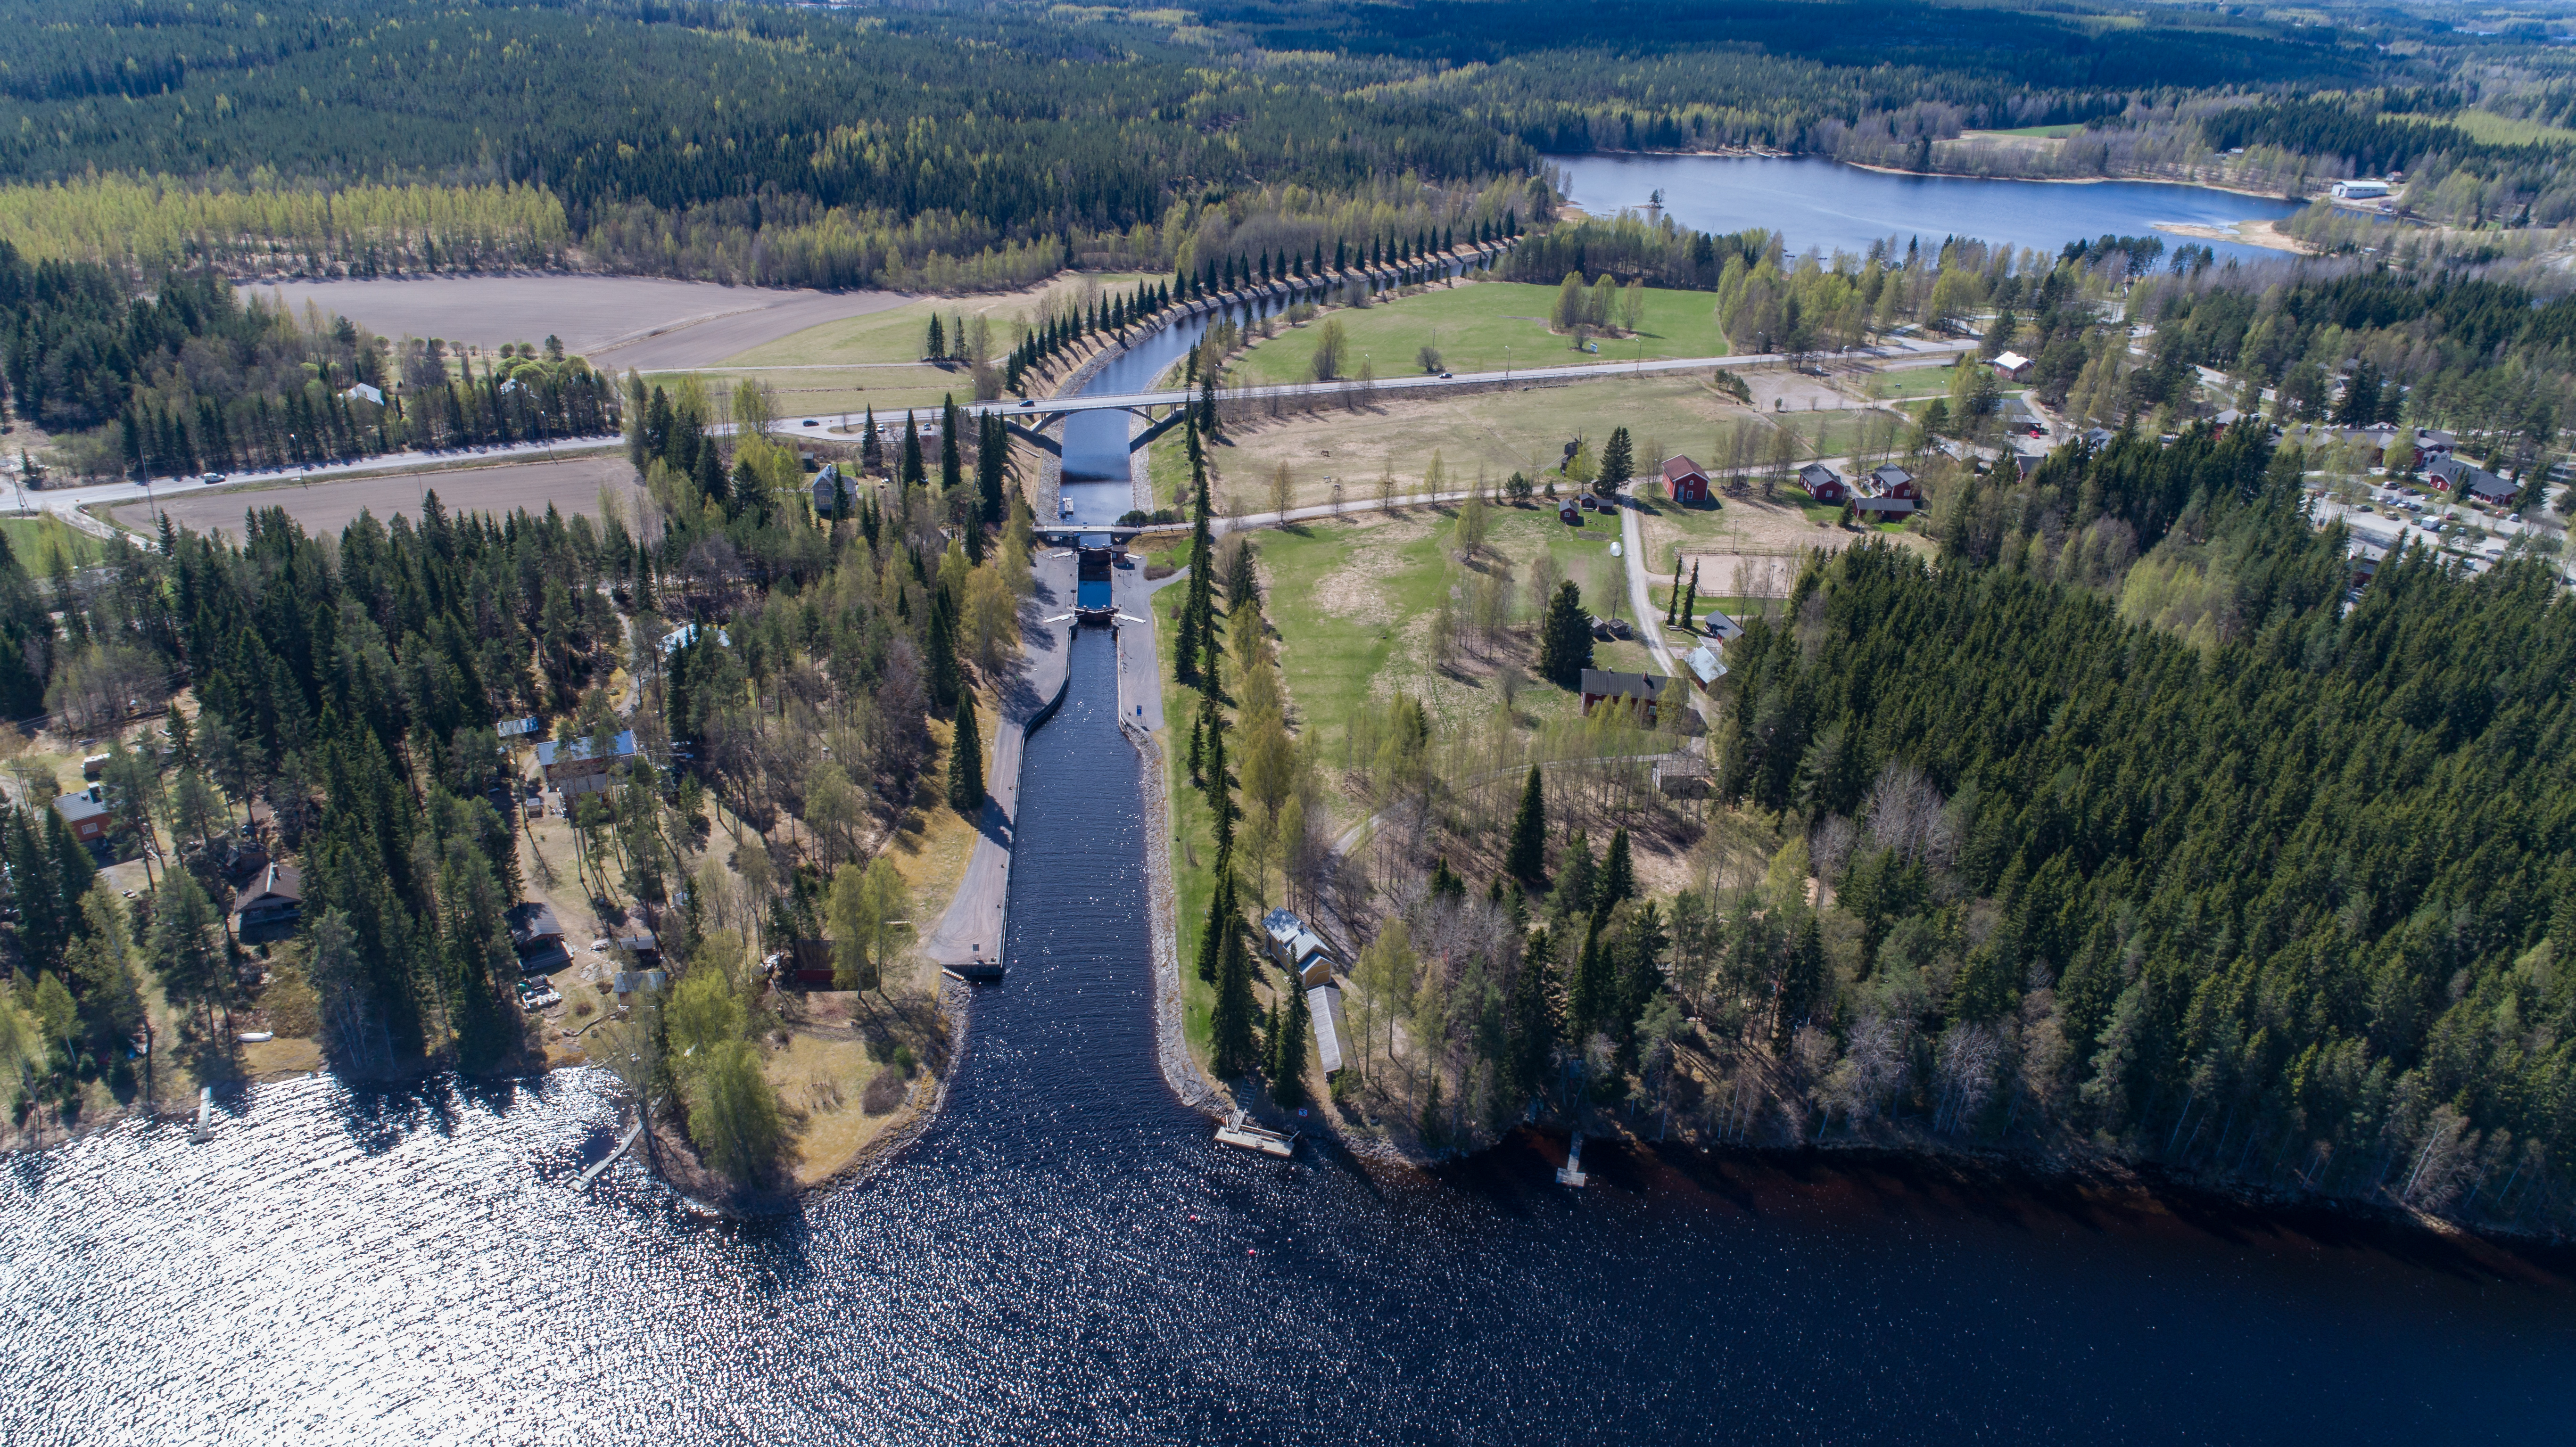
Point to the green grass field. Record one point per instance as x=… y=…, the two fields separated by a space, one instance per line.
x=2036 y=133
x=1479 y=327
x=895 y=336
x=35 y=541
x=830 y=392
x=1518 y=430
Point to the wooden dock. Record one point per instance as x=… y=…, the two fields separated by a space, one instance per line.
x=205 y=1115
x=1258 y=1139
x=1571 y=1173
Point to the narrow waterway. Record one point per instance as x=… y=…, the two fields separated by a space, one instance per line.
x=1065 y=1257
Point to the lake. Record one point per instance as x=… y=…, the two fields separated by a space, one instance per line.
x=1814 y=202
x=1065 y=1256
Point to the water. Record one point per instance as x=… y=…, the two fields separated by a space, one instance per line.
x=1097 y=482
x=1814 y=202
x=1065 y=1257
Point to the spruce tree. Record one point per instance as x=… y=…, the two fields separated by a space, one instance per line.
x=1618 y=873
x=1232 y=1051
x=871 y=449
x=947 y=678
x=1288 y=1050
x=966 y=760
x=912 y=474
x=1565 y=638
x=1526 y=859
x=1690 y=601
x=1618 y=463
x=1220 y=910
x=951 y=474
x=1532 y=1027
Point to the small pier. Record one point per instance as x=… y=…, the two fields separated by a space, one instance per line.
x=610 y=1159
x=205 y=1116
x=1261 y=1140
x=1571 y=1173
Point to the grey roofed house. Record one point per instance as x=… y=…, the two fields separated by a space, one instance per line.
x=831 y=484
x=2466 y=479
x=2098 y=437
x=533 y=926
x=1815 y=477
x=1719 y=626
x=1297 y=947
x=277 y=899
x=1704 y=664
x=84 y=813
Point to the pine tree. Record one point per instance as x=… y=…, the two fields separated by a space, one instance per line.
x=966 y=761
x=1526 y=859
x=1232 y=1050
x=1288 y=1050
x=1565 y=638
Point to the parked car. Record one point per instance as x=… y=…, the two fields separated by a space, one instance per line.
x=1446 y=375
x=211 y=478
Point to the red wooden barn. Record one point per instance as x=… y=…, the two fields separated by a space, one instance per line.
x=1685 y=480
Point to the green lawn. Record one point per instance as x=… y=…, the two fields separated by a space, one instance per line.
x=2038 y=133
x=35 y=541
x=896 y=335
x=1480 y=327
x=1504 y=431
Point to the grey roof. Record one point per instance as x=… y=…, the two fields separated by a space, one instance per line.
x=550 y=752
x=76 y=807
x=1611 y=683
x=1703 y=662
x=279 y=883
x=1815 y=474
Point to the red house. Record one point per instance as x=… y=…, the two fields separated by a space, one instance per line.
x=1685 y=481
x=1822 y=483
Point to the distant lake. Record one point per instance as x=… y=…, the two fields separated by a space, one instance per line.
x=1824 y=204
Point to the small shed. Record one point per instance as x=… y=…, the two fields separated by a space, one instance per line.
x=1686 y=481
x=1332 y=1028
x=1719 y=626
x=1568 y=514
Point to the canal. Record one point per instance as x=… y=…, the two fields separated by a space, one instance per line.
x=1065 y=1257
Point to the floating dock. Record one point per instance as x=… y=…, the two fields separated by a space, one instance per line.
x=205 y=1115
x=1571 y=1173
x=1258 y=1139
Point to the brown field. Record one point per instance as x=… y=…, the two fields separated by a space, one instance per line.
x=646 y=323
x=571 y=484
